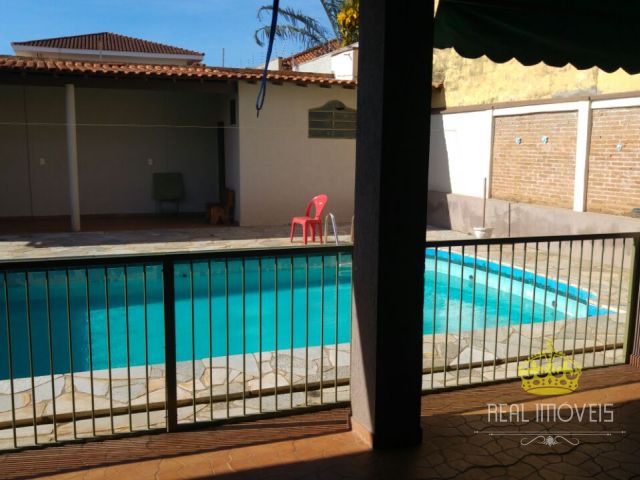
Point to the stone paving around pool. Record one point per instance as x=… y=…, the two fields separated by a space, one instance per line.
x=53 y=245
x=211 y=379
x=471 y=360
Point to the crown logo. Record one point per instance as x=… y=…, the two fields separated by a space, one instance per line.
x=549 y=373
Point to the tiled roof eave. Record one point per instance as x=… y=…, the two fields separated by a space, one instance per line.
x=29 y=64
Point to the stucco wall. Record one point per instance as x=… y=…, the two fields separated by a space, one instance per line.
x=33 y=157
x=481 y=81
x=281 y=169
x=460 y=152
x=119 y=131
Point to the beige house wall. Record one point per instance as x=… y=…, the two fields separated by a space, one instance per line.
x=280 y=168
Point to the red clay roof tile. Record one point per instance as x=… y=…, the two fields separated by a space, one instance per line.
x=310 y=54
x=28 y=64
x=107 y=41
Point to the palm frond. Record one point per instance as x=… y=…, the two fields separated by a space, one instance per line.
x=289 y=32
x=296 y=26
x=332 y=8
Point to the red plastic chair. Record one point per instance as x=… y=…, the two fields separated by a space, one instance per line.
x=318 y=203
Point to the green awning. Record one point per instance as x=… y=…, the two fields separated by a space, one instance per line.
x=584 y=33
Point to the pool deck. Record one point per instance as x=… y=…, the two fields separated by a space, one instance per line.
x=136 y=241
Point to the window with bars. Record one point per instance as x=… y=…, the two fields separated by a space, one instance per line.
x=332 y=120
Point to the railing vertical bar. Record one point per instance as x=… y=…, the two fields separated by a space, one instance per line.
x=260 y=334
x=459 y=315
x=473 y=308
x=533 y=299
x=127 y=346
x=575 y=327
x=145 y=320
x=51 y=365
x=624 y=245
x=244 y=337
x=495 y=340
x=291 y=282
x=71 y=368
x=275 y=331
x=7 y=317
x=606 y=331
x=171 y=387
x=31 y=369
x=446 y=321
x=506 y=365
x=544 y=299
x=567 y=296
x=595 y=335
x=555 y=303
x=486 y=304
x=306 y=331
x=433 y=317
x=226 y=330
x=322 y=330
x=524 y=270
x=108 y=325
x=335 y=383
x=588 y=303
x=210 y=318
x=631 y=334
x=90 y=342
x=192 y=301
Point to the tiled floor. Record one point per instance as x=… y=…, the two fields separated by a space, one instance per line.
x=318 y=445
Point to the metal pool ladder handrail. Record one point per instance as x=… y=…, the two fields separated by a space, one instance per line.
x=333 y=224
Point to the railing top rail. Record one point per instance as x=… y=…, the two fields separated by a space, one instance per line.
x=137 y=259
x=536 y=239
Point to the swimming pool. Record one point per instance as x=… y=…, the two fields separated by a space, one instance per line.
x=211 y=299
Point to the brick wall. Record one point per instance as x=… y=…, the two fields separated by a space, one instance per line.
x=614 y=177
x=534 y=172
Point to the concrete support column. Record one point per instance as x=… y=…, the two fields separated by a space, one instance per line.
x=72 y=157
x=583 y=139
x=392 y=150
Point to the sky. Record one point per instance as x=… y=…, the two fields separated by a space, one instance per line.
x=203 y=25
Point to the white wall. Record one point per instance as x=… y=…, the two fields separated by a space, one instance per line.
x=460 y=152
x=119 y=130
x=320 y=64
x=344 y=64
x=280 y=168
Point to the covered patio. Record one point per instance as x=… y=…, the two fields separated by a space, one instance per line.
x=392 y=428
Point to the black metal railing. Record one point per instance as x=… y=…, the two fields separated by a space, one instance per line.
x=103 y=346
x=492 y=304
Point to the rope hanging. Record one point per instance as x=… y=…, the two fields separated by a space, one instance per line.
x=272 y=34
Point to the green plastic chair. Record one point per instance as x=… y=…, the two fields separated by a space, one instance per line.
x=168 y=187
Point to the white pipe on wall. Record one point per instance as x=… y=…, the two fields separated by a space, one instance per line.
x=72 y=157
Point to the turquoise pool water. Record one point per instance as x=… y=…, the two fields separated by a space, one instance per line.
x=253 y=319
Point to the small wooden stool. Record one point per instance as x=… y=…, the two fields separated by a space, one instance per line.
x=221 y=212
